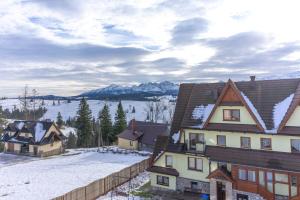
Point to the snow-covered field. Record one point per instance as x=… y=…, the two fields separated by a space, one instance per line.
x=48 y=178
x=70 y=109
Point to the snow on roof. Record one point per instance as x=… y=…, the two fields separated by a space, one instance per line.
x=255 y=112
x=280 y=110
x=176 y=137
x=39 y=131
x=202 y=112
x=20 y=125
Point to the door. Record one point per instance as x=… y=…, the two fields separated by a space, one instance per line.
x=242 y=197
x=221 y=191
x=35 y=149
x=10 y=147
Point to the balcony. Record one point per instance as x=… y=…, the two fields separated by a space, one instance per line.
x=196 y=148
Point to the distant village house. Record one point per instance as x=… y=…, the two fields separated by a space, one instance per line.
x=35 y=138
x=141 y=135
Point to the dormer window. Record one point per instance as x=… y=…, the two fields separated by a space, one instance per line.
x=231 y=115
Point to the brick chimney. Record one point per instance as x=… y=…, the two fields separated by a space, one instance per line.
x=133 y=125
x=252 y=78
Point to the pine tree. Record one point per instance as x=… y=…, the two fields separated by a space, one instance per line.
x=120 y=121
x=59 y=120
x=106 y=125
x=84 y=124
x=71 y=142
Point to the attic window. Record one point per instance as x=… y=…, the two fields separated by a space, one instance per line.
x=231 y=115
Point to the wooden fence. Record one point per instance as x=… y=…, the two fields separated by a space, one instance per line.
x=102 y=186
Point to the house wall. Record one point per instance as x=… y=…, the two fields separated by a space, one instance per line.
x=49 y=147
x=233 y=139
x=26 y=135
x=51 y=129
x=125 y=144
x=180 y=163
x=172 y=181
x=17 y=147
x=245 y=117
x=295 y=118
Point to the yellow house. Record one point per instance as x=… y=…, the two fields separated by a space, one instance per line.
x=141 y=135
x=234 y=141
x=36 y=138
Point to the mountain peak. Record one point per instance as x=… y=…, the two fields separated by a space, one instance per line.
x=144 y=89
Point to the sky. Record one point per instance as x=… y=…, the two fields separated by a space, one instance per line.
x=66 y=47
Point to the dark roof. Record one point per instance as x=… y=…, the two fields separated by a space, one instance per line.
x=160 y=145
x=146 y=132
x=264 y=95
x=233 y=127
x=29 y=127
x=130 y=134
x=256 y=158
x=164 y=170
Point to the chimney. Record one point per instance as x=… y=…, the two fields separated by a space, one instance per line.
x=133 y=125
x=252 y=78
x=252 y=84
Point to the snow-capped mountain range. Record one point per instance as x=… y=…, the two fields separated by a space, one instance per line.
x=142 y=90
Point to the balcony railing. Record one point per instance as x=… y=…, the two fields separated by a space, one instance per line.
x=198 y=148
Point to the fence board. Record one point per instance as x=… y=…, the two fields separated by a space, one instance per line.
x=106 y=184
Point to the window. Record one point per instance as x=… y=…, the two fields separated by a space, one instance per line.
x=162 y=180
x=295 y=146
x=265 y=143
x=222 y=165
x=195 y=164
x=294 y=186
x=231 y=115
x=221 y=140
x=270 y=181
x=262 y=181
x=169 y=161
x=194 y=185
x=251 y=176
x=242 y=174
x=245 y=142
x=293 y=180
x=196 y=138
x=283 y=178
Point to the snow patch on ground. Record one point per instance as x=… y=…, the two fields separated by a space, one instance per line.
x=128 y=187
x=55 y=176
x=254 y=111
x=280 y=110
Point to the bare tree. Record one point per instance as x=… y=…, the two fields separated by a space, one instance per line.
x=171 y=110
x=158 y=110
x=34 y=101
x=24 y=101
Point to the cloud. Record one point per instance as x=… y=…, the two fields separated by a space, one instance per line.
x=186 y=32
x=84 y=44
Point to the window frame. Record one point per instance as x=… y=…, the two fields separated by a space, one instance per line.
x=246 y=170
x=218 y=136
x=261 y=142
x=293 y=151
x=196 y=166
x=198 y=140
x=166 y=160
x=243 y=137
x=231 y=115
x=165 y=180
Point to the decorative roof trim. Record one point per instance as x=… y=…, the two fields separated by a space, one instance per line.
x=294 y=104
x=231 y=84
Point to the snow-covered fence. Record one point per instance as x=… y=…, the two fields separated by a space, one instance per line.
x=104 y=185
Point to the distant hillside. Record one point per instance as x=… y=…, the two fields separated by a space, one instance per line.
x=137 y=92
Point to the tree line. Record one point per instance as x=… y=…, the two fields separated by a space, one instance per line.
x=92 y=132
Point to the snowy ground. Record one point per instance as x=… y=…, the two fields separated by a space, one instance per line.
x=124 y=191
x=10 y=159
x=70 y=109
x=48 y=178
